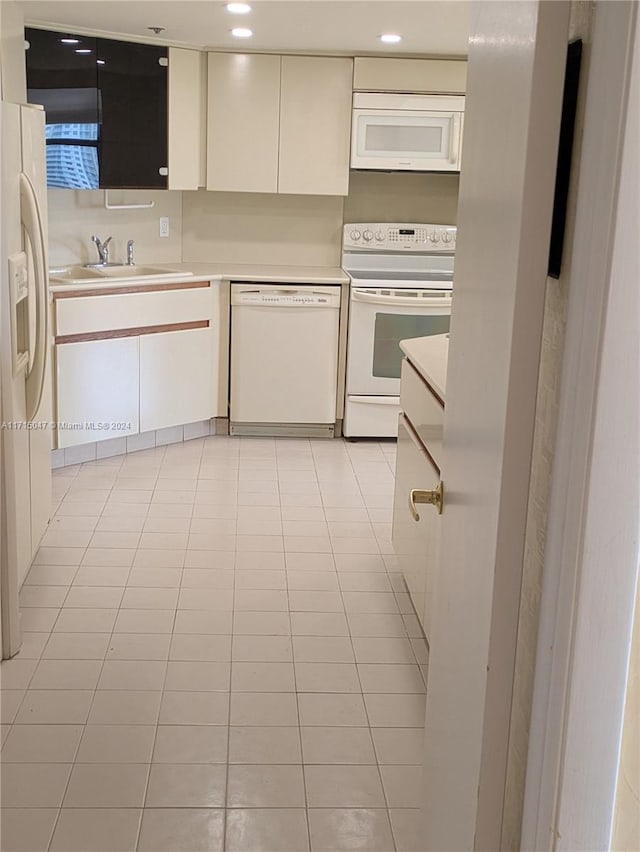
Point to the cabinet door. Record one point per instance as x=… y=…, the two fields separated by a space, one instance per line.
x=178 y=378
x=97 y=390
x=65 y=83
x=415 y=542
x=315 y=122
x=242 y=122
x=132 y=79
x=186 y=118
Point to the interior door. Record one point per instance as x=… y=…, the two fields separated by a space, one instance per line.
x=513 y=107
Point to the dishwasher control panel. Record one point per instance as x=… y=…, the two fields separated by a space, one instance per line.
x=274 y=296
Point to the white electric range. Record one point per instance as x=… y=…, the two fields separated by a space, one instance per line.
x=401 y=283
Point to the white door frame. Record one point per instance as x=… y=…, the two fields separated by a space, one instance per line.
x=591 y=557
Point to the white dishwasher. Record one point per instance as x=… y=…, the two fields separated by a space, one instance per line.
x=284 y=359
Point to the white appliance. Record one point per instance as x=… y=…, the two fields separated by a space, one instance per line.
x=284 y=359
x=406 y=132
x=25 y=377
x=401 y=283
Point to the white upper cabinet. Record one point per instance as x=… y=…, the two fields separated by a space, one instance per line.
x=393 y=74
x=279 y=124
x=243 y=122
x=186 y=118
x=315 y=124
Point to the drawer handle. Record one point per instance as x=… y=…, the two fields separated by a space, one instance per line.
x=434 y=497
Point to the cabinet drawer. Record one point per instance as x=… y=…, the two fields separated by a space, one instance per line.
x=95 y=313
x=415 y=542
x=423 y=409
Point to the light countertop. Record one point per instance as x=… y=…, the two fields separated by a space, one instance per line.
x=429 y=356
x=265 y=272
x=223 y=271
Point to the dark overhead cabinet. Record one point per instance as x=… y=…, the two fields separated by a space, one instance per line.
x=106 y=110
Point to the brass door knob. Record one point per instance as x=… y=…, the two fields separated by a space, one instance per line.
x=434 y=497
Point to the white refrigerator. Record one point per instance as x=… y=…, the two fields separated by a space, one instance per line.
x=25 y=357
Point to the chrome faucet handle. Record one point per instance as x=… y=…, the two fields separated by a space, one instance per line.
x=130 y=260
x=102 y=247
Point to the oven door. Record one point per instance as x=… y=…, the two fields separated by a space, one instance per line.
x=379 y=318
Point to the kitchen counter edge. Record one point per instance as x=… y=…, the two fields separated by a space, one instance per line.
x=258 y=273
x=429 y=355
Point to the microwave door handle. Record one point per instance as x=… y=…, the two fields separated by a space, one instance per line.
x=399 y=301
x=454 y=153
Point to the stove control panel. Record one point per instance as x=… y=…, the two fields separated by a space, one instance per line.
x=394 y=236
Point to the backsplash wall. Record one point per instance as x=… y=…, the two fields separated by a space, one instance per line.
x=402 y=197
x=238 y=227
x=242 y=227
x=74 y=215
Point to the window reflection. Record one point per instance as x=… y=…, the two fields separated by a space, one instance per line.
x=72 y=156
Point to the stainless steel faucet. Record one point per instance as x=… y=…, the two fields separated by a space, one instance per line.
x=103 y=249
x=130 y=260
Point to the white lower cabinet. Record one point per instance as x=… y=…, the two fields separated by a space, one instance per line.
x=178 y=382
x=415 y=542
x=97 y=390
x=137 y=360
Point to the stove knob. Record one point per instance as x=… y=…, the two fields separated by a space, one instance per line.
x=434 y=236
x=446 y=237
x=379 y=236
x=368 y=236
x=355 y=235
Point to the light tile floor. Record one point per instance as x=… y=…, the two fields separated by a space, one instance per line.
x=219 y=654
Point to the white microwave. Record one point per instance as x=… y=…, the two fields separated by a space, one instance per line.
x=421 y=133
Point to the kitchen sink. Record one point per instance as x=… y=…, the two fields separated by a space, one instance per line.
x=73 y=274
x=126 y=271
x=84 y=274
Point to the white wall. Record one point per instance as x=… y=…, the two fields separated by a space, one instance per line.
x=74 y=215
x=592 y=538
x=242 y=227
x=608 y=570
x=547 y=404
x=402 y=197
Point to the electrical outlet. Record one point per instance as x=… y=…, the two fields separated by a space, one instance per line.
x=164 y=226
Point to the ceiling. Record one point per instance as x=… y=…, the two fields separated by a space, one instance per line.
x=431 y=27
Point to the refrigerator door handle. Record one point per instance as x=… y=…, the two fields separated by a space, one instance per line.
x=32 y=222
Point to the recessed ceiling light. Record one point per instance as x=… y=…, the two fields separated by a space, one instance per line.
x=238 y=8
x=83 y=50
x=69 y=41
x=390 y=38
x=241 y=32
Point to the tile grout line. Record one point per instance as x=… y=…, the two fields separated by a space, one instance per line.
x=297 y=694
x=225 y=811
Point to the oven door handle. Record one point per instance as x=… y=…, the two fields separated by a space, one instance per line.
x=400 y=301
